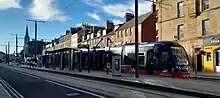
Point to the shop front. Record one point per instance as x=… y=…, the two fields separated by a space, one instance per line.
x=211 y=57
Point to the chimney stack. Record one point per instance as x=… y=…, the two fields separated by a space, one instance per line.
x=153 y=7
x=67 y=31
x=128 y=16
x=109 y=26
x=73 y=30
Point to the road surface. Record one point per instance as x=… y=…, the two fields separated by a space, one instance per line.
x=33 y=87
x=40 y=84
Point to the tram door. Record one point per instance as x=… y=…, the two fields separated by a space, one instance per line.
x=218 y=61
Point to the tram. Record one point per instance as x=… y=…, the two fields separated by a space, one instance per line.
x=164 y=58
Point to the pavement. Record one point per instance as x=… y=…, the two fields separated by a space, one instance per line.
x=189 y=86
x=40 y=84
x=205 y=75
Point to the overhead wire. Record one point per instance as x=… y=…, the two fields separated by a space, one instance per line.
x=63 y=9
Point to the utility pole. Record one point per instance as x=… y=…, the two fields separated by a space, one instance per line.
x=35 y=39
x=16 y=45
x=8 y=53
x=136 y=40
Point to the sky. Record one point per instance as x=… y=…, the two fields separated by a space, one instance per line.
x=59 y=15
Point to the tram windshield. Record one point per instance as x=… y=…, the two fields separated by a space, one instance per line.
x=180 y=55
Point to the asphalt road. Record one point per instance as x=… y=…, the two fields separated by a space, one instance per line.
x=34 y=87
x=47 y=79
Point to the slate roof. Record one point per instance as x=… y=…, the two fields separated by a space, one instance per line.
x=130 y=23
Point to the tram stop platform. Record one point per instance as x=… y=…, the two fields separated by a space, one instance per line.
x=189 y=86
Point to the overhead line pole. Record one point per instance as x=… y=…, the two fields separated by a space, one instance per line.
x=136 y=40
x=35 y=38
x=16 y=45
x=8 y=58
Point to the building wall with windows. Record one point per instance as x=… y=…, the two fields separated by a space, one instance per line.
x=146 y=30
x=188 y=22
x=64 y=41
x=74 y=40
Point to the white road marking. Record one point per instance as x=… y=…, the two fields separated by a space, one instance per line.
x=6 y=90
x=30 y=75
x=11 y=89
x=27 y=74
x=75 y=89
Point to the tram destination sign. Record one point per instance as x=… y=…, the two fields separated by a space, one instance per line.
x=209 y=41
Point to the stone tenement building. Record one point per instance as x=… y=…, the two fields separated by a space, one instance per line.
x=196 y=25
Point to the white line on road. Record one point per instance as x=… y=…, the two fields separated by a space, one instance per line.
x=75 y=89
x=5 y=89
x=27 y=74
x=11 y=89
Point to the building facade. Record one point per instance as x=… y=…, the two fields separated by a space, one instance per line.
x=89 y=35
x=31 y=47
x=190 y=23
x=146 y=29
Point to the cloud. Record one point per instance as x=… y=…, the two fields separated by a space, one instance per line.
x=80 y=24
x=120 y=9
x=45 y=9
x=6 y=4
x=116 y=10
x=115 y=21
x=144 y=7
x=94 y=3
x=93 y=15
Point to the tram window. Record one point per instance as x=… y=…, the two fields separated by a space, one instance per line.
x=141 y=59
x=208 y=56
x=150 y=58
x=164 y=58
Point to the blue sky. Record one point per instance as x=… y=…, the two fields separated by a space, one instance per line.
x=13 y=14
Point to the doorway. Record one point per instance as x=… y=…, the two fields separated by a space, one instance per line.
x=198 y=60
x=217 y=67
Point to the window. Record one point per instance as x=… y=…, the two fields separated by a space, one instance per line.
x=118 y=34
x=205 y=27
x=180 y=33
x=157 y=32
x=205 y=4
x=208 y=56
x=180 y=9
x=165 y=58
x=126 y=32
x=121 y=34
x=141 y=58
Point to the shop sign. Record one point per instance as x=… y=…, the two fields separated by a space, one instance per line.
x=212 y=41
